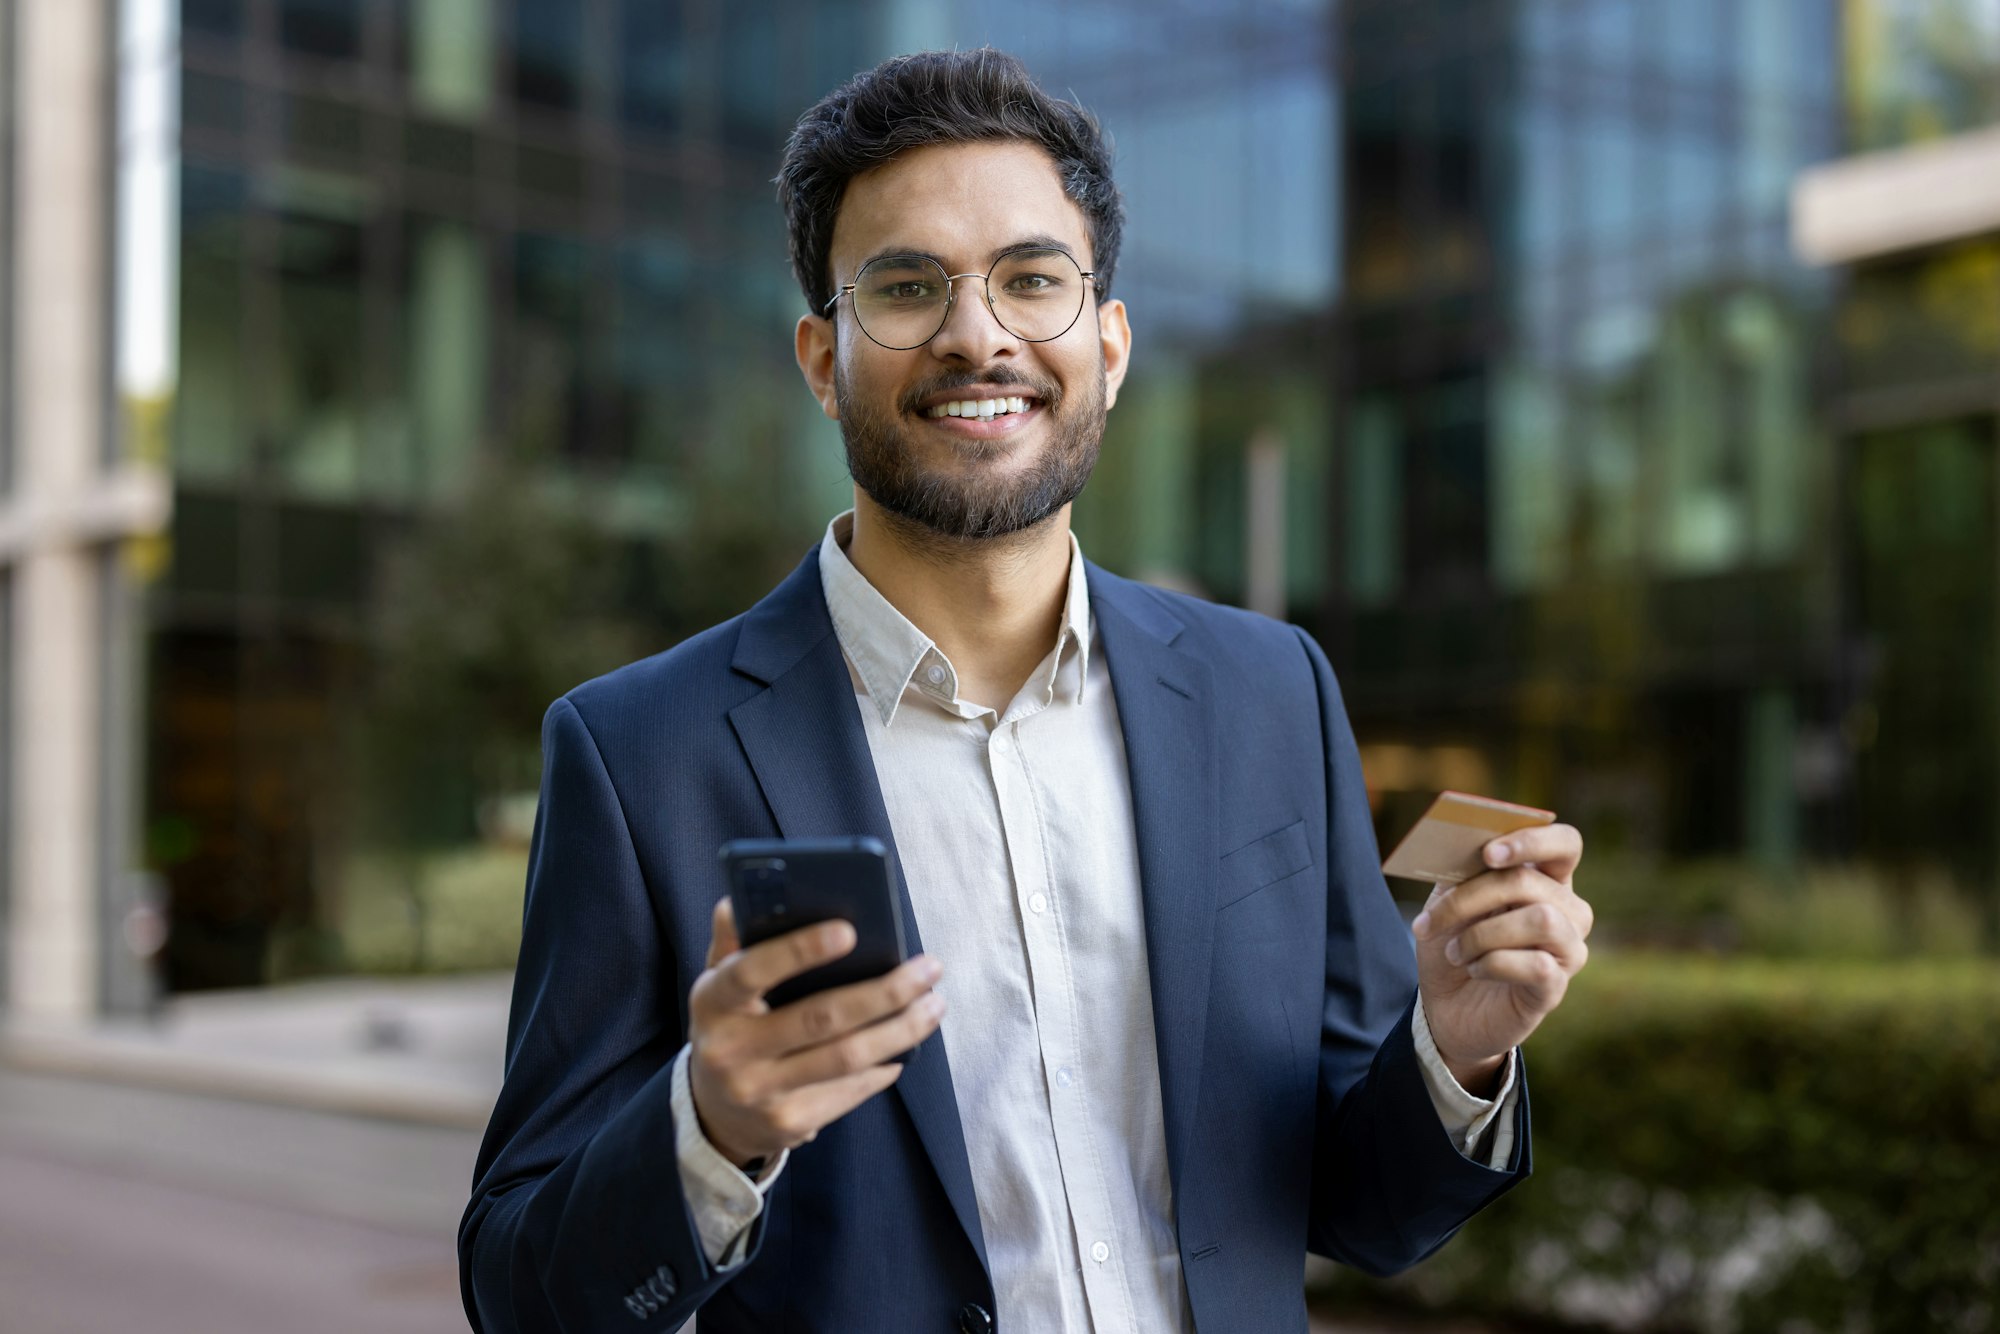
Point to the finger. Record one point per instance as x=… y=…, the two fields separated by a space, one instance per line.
x=1541 y=979
x=722 y=941
x=744 y=977
x=1485 y=894
x=1539 y=926
x=802 y=1115
x=1555 y=849
x=866 y=1047
x=842 y=1010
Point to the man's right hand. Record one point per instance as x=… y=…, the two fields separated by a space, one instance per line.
x=766 y=1080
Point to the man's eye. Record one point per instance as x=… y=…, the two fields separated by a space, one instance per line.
x=1034 y=284
x=912 y=290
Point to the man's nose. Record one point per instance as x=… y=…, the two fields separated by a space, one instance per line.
x=970 y=331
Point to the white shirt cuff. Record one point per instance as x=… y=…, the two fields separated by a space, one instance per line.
x=723 y=1200
x=1466 y=1117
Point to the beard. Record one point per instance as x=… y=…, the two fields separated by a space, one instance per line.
x=887 y=460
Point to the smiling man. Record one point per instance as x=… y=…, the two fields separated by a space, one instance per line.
x=1189 y=1038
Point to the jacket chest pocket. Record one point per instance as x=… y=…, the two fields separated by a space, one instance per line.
x=1263 y=861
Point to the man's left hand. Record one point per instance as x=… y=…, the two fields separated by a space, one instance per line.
x=1495 y=953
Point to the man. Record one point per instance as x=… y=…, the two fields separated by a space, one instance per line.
x=1185 y=1040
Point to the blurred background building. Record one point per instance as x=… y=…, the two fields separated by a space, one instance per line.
x=375 y=370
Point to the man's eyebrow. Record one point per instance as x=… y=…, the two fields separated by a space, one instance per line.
x=917 y=252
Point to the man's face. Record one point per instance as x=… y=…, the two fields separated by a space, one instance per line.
x=961 y=477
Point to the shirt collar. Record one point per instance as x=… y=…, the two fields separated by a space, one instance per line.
x=886 y=649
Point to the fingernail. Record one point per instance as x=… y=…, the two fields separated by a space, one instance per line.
x=935 y=1002
x=1451 y=949
x=1422 y=926
x=931 y=970
x=835 y=935
x=1499 y=853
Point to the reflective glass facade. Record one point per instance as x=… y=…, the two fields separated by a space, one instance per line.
x=1586 y=500
x=1468 y=333
x=1916 y=365
x=484 y=384
x=1638 y=516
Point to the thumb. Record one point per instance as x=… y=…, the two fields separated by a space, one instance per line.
x=722 y=941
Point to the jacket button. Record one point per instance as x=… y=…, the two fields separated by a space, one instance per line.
x=974 y=1319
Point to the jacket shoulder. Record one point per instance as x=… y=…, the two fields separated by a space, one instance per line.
x=1227 y=637
x=692 y=677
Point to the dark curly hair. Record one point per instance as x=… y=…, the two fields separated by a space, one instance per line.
x=937 y=97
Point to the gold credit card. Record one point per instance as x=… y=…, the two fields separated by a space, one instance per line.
x=1444 y=847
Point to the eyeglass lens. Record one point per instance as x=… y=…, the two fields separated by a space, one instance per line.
x=901 y=300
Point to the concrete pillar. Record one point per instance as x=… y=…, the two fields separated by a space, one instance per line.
x=1264 y=582
x=61 y=352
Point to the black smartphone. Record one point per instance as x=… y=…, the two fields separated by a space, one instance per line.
x=778 y=885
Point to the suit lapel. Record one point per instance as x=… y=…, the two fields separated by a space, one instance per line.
x=805 y=742
x=1166 y=709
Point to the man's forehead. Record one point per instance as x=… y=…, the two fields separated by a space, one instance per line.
x=957 y=200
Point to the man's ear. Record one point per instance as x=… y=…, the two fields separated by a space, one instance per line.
x=1114 y=336
x=812 y=344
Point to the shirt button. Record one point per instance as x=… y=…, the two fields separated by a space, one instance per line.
x=935 y=674
x=1038 y=903
x=1100 y=1252
x=1063 y=1078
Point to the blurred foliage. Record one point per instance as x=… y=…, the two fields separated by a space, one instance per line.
x=1726 y=1146
x=1920 y=69
x=484 y=613
x=1732 y=906
x=468 y=901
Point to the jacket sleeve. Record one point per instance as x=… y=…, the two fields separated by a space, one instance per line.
x=1389 y=1185
x=578 y=1220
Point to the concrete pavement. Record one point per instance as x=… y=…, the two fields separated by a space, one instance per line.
x=290 y=1158
x=134 y=1208
x=424 y=1050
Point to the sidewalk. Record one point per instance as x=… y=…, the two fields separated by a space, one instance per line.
x=425 y=1050
x=422 y=1051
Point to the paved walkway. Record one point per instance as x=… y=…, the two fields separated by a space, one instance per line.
x=427 y=1050
x=313 y=1144
x=124 y=1207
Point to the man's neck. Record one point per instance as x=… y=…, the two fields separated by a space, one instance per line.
x=992 y=606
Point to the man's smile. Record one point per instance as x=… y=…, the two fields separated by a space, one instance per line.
x=982 y=424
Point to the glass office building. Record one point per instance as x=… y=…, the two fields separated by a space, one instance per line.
x=418 y=240
x=1469 y=333
x=1914 y=362
x=1609 y=531
x=459 y=280
x=1586 y=506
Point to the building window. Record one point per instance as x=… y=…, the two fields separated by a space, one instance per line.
x=547 y=56
x=652 y=73
x=328 y=28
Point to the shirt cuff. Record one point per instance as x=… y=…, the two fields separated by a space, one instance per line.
x=723 y=1200
x=1465 y=1117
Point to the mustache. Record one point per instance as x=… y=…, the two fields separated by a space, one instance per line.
x=997 y=377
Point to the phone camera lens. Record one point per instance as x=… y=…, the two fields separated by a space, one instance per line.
x=764 y=888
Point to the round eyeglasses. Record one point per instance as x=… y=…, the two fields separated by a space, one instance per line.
x=901 y=301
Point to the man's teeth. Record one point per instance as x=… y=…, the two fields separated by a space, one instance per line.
x=982 y=408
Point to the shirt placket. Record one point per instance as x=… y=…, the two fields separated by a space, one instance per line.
x=1059 y=1016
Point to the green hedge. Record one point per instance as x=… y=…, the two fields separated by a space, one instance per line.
x=1748 y=1146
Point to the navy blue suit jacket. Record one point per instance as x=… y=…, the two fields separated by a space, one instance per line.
x=1282 y=981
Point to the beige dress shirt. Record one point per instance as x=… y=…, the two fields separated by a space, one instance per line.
x=1016 y=839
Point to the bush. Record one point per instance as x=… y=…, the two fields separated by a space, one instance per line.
x=1748 y=1146
x=443 y=912
x=1825 y=911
